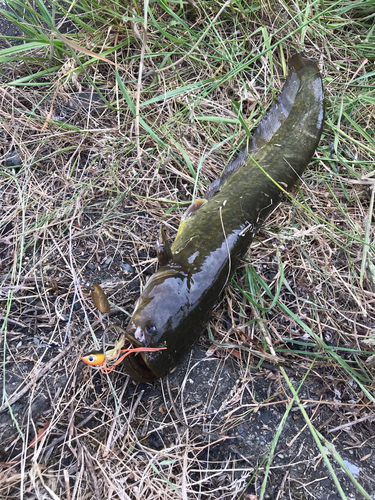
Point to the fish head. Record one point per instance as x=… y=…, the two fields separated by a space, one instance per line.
x=160 y=319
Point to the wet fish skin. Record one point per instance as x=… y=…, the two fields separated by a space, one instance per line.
x=214 y=237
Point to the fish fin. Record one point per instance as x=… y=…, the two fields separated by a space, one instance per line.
x=270 y=122
x=163 y=249
x=299 y=61
x=193 y=208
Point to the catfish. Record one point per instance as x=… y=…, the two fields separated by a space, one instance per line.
x=215 y=232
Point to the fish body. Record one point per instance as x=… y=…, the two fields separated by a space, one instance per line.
x=215 y=234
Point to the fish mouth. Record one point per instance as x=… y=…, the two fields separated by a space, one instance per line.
x=135 y=363
x=135 y=334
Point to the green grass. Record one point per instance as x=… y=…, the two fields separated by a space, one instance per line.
x=183 y=84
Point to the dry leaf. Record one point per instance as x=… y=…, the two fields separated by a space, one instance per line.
x=100 y=299
x=234 y=353
x=40 y=434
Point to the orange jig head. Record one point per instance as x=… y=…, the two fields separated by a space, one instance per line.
x=96 y=358
x=93 y=358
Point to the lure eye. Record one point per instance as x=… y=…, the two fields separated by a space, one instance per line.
x=93 y=359
x=151 y=330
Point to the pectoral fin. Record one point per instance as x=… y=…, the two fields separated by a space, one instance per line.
x=163 y=249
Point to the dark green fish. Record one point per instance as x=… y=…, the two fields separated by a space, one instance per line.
x=215 y=233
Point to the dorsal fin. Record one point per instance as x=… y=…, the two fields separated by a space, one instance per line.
x=193 y=208
x=163 y=248
x=270 y=122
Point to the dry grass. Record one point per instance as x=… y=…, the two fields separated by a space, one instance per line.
x=96 y=182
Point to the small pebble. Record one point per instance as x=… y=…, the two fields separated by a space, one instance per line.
x=127 y=268
x=107 y=261
x=87 y=101
x=12 y=160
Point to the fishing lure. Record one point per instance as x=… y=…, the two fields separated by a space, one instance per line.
x=98 y=358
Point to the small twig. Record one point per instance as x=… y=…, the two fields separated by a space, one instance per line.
x=107 y=449
x=93 y=475
x=147 y=419
x=366 y=244
x=179 y=61
x=67 y=484
x=349 y=424
x=135 y=406
x=281 y=487
x=60 y=439
x=9 y=320
x=139 y=85
x=120 y=492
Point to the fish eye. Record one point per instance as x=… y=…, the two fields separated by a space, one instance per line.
x=91 y=358
x=151 y=330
